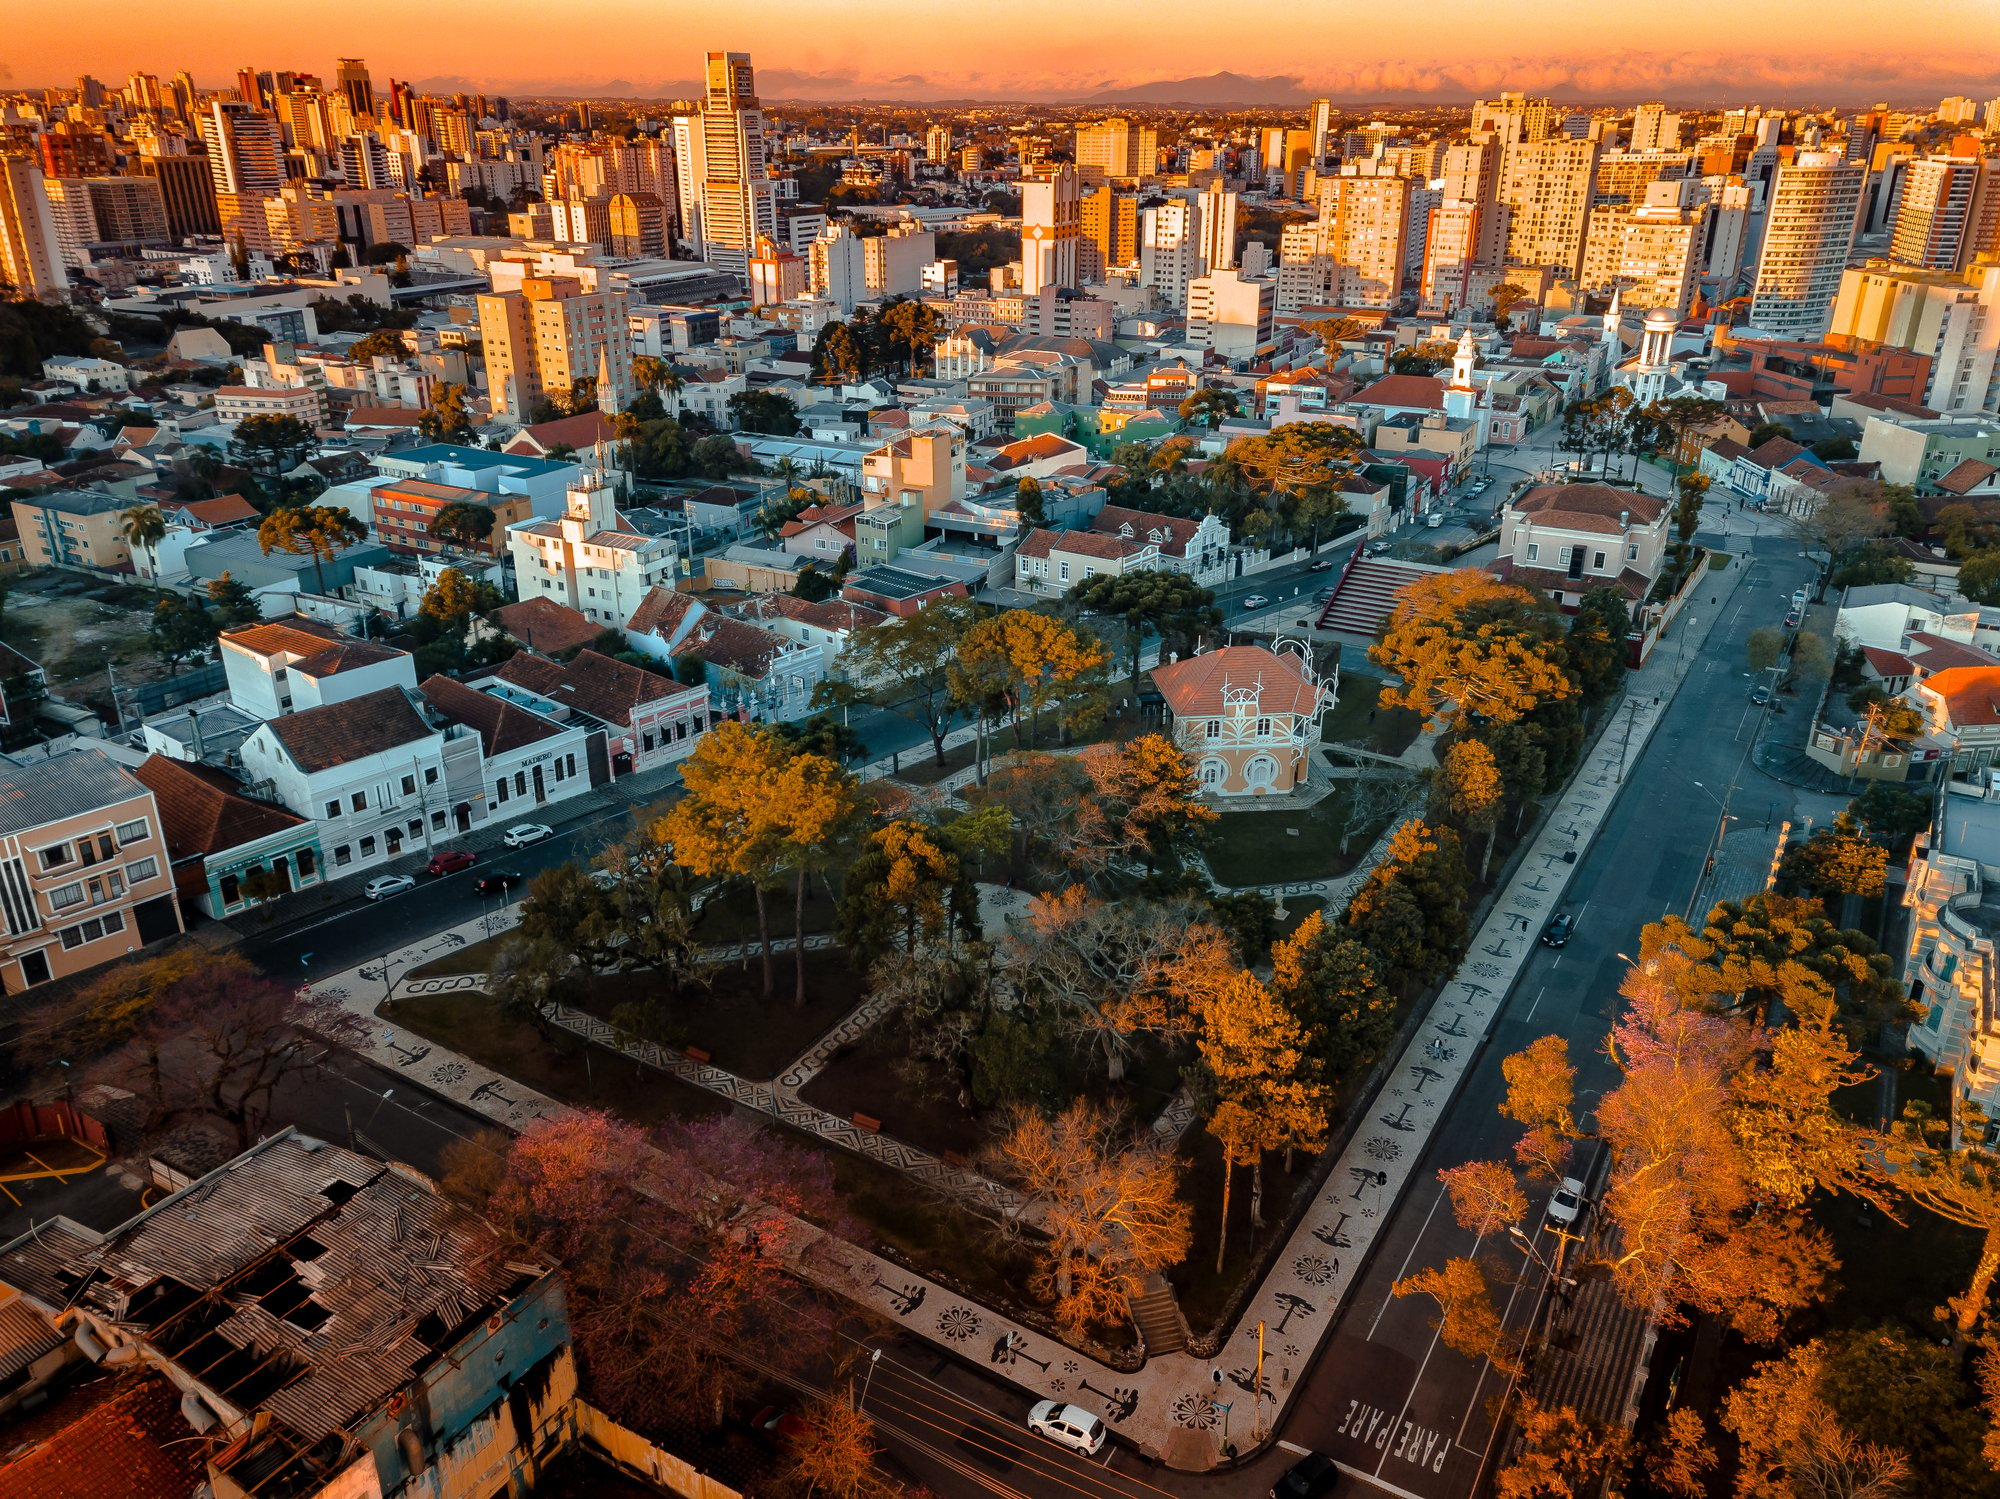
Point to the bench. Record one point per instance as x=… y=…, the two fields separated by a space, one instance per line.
x=694 y=1054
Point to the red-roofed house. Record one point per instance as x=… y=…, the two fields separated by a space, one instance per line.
x=1399 y=395
x=529 y=758
x=1246 y=718
x=297 y=663
x=1961 y=707
x=120 y=1436
x=545 y=626
x=1199 y=548
x=649 y=719
x=217 y=837
x=577 y=433
x=1566 y=539
x=1970 y=477
x=1050 y=563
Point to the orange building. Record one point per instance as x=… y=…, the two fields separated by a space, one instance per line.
x=1246 y=718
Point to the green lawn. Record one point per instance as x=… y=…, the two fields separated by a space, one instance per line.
x=1296 y=843
x=1356 y=719
x=554 y=1063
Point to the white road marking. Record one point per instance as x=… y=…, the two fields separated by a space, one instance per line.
x=1538 y=1001
x=1406 y=1260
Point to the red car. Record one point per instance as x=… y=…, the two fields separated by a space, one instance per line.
x=449 y=861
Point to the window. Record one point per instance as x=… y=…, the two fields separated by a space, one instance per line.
x=1062 y=571
x=109 y=924
x=571 y=759
x=359 y=801
x=132 y=832
x=144 y=869
x=501 y=787
x=64 y=896
x=409 y=785
x=1213 y=729
x=1263 y=728
x=1597 y=562
x=343 y=854
x=308 y=865
x=430 y=775
x=333 y=809
x=1632 y=552
x=368 y=848
x=1534 y=550
x=437 y=822
x=520 y=783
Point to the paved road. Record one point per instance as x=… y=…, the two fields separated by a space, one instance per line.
x=1386 y=1397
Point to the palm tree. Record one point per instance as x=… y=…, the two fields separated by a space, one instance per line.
x=320 y=532
x=143 y=527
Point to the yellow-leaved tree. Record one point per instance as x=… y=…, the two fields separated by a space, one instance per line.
x=1464 y=642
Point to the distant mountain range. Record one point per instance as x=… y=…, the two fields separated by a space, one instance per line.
x=1214 y=89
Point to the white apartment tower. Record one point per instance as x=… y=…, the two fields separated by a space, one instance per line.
x=1938 y=214
x=1051 y=224
x=1655 y=128
x=1546 y=186
x=1815 y=200
x=1170 y=249
x=738 y=202
x=245 y=153
x=1218 y=227
x=30 y=247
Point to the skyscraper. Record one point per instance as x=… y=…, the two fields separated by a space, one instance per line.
x=350 y=76
x=1115 y=148
x=1322 y=130
x=1546 y=185
x=1655 y=128
x=244 y=151
x=1935 y=212
x=187 y=189
x=1170 y=249
x=1815 y=200
x=937 y=144
x=1109 y=232
x=30 y=254
x=738 y=203
x=689 y=171
x=1218 y=227
x=544 y=338
x=1051 y=222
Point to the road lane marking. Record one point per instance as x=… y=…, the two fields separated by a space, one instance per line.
x=1538 y=1001
x=1406 y=1261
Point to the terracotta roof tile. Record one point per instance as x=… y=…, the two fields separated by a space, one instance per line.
x=1588 y=507
x=204 y=811
x=119 y=1437
x=546 y=626
x=336 y=733
x=1971 y=693
x=501 y=725
x=1193 y=687
x=605 y=689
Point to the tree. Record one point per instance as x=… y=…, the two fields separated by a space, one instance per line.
x=462 y=524
x=382 y=343
x=1563 y=1455
x=1468 y=1323
x=1979 y=576
x=321 y=532
x=813 y=807
x=1328 y=982
x=1169 y=604
x=1467 y=793
x=1506 y=296
x=181 y=631
x=1793 y=1444
x=1410 y=911
x=1873 y=563
x=1298 y=470
x=1040 y=794
x=907 y=663
x=1463 y=642
x=1026 y=659
x=456 y=597
x=1144 y=804
x=1029 y=504
x=1596 y=642
x=911 y=330
x=1954 y=1174
x=1892 y=815
x=1334 y=330
x=1839 y=860
x=218 y=1043
x=1690 y=490
x=1541 y=1094
x=724 y=827
x=233 y=601
x=1210 y=405
x=837 y=355
x=1107 y=1206
x=1678 y=418
x=1485 y=1197
x=271 y=446
x=1764 y=648
x=1851 y=512
x=899 y=890
x=144 y=528
x=766 y=411
x=834 y=1455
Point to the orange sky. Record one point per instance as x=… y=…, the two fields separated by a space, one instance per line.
x=1830 y=50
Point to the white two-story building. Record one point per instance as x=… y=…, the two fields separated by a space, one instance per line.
x=588 y=558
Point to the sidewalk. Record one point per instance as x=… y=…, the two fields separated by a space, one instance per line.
x=1167 y=1408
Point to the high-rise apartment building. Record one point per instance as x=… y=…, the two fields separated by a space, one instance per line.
x=1809 y=230
x=690 y=169
x=1546 y=185
x=1938 y=223
x=1950 y=317
x=1108 y=232
x=1321 y=128
x=1514 y=118
x=1651 y=251
x=1170 y=249
x=1218 y=227
x=1471 y=176
x=120 y=213
x=350 y=77
x=1355 y=254
x=1116 y=148
x=738 y=203
x=245 y=154
x=776 y=274
x=544 y=338
x=637 y=225
x=1655 y=128
x=1051 y=224
x=184 y=95
x=187 y=191
x=1230 y=313
x=937 y=144
x=30 y=249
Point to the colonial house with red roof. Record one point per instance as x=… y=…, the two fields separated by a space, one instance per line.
x=1961 y=708
x=1567 y=539
x=649 y=719
x=1247 y=718
x=528 y=758
x=1050 y=563
x=218 y=838
x=295 y=663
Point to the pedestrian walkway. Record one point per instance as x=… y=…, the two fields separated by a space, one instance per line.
x=1172 y=1407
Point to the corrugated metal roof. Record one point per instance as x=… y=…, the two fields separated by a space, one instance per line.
x=70 y=785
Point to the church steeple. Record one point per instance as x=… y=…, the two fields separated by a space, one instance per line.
x=610 y=399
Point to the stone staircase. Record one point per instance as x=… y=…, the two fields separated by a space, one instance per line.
x=1158 y=1314
x=1367 y=592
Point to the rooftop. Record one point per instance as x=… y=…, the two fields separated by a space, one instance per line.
x=1194 y=687
x=204 y=810
x=594 y=684
x=546 y=626
x=338 y=733
x=72 y=785
x=501 y=725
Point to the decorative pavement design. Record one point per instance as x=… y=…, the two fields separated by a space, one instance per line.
x=1298 y=1301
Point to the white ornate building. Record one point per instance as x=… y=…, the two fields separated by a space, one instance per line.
x=1247 y=718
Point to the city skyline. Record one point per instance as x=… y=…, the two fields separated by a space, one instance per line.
x=1439 y=51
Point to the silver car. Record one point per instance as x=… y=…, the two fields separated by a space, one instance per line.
x=1070 y=1426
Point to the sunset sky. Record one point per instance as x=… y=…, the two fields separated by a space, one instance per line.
x=1833 y=51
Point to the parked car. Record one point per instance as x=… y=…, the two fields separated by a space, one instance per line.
x=1381 y=548
x=1557 y=932
x=1434 y=520
x=1799 y=597
x=448 y=861
x=1760 y=695
x=497 y=883
x=387 y=885
x=1792 y=620
x=1070 y=1426
x=521 y=834
x=1310 y=1477
x=1256 y=601
x=1566 y=1202
x=776 y=1421
x=1324 y=565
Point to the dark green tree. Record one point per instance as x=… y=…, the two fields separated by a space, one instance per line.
x=181 y=631
x=1596 y=642
x=271 y=446
x=764 y=411
x=1169 y=604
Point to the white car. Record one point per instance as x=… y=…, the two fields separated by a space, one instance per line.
x=1566 y=1202
x=1256 y=601
x=1069 y=1426
x=521 y=834
x=388 y=885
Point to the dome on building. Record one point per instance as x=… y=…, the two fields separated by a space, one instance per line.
x=1664 y=318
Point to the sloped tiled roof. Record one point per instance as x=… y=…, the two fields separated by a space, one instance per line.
x=204 y=811
x=605 y=689
x=121 y=1436
x=1971 y=693
x=1588 y=507
x=735 y=644
x=316 y=649
x=501 y=725
x=223 y=510
x=826 y=614
x=1967 y=475
x=546 y=626
x=1193 y=687
x=1040 y=543
x=662 y=611
x=1775 y=452
x=1423 y=392
x=337 y=733
x=1174 y=533
x=1934 y=653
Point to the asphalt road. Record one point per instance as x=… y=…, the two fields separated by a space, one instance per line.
x=1385 y=1397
